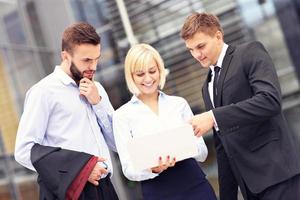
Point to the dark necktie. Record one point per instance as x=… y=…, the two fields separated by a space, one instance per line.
x=215 y=84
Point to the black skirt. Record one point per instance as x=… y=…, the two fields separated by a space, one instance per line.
x=184 y=181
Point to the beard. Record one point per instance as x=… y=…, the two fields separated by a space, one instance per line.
x=76 y=74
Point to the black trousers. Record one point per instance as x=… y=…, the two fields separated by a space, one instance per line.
x=228 y=185
x=104 y=191
x=286 y=190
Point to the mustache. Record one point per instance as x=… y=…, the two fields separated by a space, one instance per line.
x=77 y=75
x=88 y=74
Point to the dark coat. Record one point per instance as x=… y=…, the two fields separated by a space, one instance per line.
x=252 y=128
x=57 y=168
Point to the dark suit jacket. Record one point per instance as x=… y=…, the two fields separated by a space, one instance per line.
x=57 y=168
x=251 y=125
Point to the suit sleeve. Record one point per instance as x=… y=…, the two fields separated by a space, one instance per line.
x=265 y=99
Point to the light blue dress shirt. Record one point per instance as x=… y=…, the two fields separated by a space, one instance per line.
x=136 y=119
x=56 y=115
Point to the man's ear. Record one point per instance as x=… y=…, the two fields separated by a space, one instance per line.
x=66 y=58
x=219 y=35
x=64 y=55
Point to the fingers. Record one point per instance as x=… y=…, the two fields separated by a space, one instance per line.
x=103 y=170
x=101 y=159
x=172 y=163
x=158 y=168
x=196 y=128
x=88 y=89
x=167 y=163
x=202 y=123
x=85 y=80
x=197 y=131
x=94 y=179
x=97 y=172
x=163 y=165
x=160 y=162
x=96 y=183
x=84 y=84
x=84 y=87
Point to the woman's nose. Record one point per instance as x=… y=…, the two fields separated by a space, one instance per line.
x=147 y=76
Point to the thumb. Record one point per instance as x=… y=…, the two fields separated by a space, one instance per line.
x=103 y=170
x=101 y=159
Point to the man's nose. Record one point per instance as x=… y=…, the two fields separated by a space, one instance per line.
x=92 y=65
x=198 y=54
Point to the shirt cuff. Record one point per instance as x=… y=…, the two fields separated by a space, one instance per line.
x=99 y=106
x=215 y=122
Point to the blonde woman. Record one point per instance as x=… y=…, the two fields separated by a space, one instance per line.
x=148 y=112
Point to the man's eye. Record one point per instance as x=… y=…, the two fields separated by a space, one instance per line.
x=200 y=46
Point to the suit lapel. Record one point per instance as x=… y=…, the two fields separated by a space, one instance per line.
x=225 y=66
x=205 y=94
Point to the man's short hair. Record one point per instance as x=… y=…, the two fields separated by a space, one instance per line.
x=200 y=22
x=77 y=34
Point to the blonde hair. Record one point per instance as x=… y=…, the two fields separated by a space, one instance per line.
x=137 y=59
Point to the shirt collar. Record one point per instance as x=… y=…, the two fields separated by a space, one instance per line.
x=135 y=99
x=63 y=76
x=221 y=57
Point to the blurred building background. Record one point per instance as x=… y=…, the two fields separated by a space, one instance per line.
x=30 y=37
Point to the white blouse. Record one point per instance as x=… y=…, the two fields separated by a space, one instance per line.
x=135 y=119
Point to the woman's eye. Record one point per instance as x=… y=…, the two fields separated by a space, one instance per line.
x=140 y=74
x=152 y=71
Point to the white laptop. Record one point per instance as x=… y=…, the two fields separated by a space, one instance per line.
x=178 y=142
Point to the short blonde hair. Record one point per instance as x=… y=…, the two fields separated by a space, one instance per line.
x=137 y=59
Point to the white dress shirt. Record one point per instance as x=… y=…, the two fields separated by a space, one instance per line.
x=210 y=84
x=136 y=119
x=219 y=64
x=56 y=115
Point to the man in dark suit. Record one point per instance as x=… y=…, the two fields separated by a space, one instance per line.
x=255 y=149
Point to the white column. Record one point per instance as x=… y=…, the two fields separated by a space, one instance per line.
x=126 y=23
